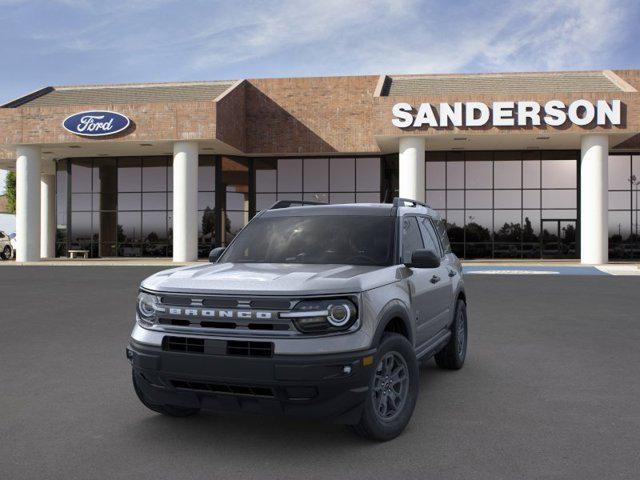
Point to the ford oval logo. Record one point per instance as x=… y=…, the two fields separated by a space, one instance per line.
x=96 y=123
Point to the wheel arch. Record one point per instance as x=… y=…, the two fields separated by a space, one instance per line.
x=394 y=318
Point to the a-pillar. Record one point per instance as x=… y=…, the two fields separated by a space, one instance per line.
x=594 y=199
x=28 y=203
x=185 y=201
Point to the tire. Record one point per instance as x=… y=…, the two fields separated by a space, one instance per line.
x=7 y=253
x=380 y=421
x=169 y=410
x=452 y=356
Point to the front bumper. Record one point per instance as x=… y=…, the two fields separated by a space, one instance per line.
x=307 y=386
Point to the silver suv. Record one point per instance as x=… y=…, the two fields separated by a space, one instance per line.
x=315 y=311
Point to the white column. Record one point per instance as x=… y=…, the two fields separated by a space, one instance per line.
x=48 y=211
x=411 y=165
x=185 y=201
x=594 y=199
x=28 y=204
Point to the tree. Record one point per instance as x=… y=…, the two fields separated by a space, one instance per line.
x=10 y=188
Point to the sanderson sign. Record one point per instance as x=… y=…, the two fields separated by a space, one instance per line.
x=96 y=123
x=507 y=114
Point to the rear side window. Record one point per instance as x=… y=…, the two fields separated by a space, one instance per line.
x=441 y=230
x=411 y=238
x=429 y=236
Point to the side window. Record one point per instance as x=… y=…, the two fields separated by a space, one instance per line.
x=429 y=236
x=1 y=235
x=411 y=239
x=441 y=229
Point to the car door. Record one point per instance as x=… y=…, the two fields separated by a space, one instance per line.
x=443 y=290
x=423 y=288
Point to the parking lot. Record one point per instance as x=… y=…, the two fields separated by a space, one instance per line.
x=551 y=390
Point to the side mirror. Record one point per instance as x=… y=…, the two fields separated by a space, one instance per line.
x=424 y=259
x=215 y=254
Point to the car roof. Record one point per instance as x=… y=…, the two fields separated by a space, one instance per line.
x=355 y=209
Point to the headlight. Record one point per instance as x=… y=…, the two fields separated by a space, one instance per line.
x=323 y=316
x=147 y=308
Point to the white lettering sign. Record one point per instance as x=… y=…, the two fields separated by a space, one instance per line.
x=553 y=113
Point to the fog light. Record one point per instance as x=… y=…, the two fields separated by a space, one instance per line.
x=346 y=369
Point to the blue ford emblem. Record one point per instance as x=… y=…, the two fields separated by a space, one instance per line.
x=96 y=123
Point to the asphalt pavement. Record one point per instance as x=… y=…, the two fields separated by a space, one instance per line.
x=551 y=390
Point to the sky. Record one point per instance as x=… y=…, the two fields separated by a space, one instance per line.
x=71 y=42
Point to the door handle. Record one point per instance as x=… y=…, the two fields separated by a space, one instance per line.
x=452 y=273
x=435 y=279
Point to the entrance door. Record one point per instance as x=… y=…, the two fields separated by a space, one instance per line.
x=558 y=238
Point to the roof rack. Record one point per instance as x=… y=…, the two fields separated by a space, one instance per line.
x=400 y=202
x=290 y=203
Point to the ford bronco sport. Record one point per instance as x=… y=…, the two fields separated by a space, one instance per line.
x=315 y=311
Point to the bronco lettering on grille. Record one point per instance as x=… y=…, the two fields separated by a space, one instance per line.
x=216 y=313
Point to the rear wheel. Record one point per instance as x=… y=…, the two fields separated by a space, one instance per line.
x=393 y=390
x=452 y=356
x=170 y=410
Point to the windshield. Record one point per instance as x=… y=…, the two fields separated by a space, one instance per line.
x=336 y=239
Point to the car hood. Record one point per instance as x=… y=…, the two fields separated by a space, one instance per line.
x=271 y=279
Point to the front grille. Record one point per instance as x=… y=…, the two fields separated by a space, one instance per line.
x=250 y=349
x=183 y=344
x=254 y=391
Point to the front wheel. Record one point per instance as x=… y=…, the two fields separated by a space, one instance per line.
x=169 y=410
x=393 y=390
x=6 y=252
x=452 y=356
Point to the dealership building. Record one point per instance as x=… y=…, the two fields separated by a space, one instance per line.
x=521 y=165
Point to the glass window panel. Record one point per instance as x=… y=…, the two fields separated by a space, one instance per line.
x=531 y=198
x=129 y=201
x=266 y=180
x=478 y=198
x=316 y=174
x=437 y=199
x=154 y=227
x=131 y=228
x=531 y=173
x=559 y=199
x=170 y=177
x=559 y=173
x=289 y=196
x=619 y=172
x=289 y=175
x=435 y=173
x=478 y=226
x=636 y=166
x=316 y=197
x=368 y=197
x=455 y=198
x=237 y=220
x=129 y=175
x=206 y=178
x=342 y=198
x=265 y=200
x=507 y=199
x=154 y=174
x=620 y=200
x=478 y=174
x=507 y=174
x=81 y=202
x=206 y=225
x=507 y=226
x=367 y=175
x=455 y=174
x=81 y=175
x=342 y=175
x=80 y=230
x=455 y=225
x=411 y=238
x=237 y=201
x=429 y=236
x=567 y=214
x=531 y=225
x=205 y=199
x=154 y=201
x=620 y=225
